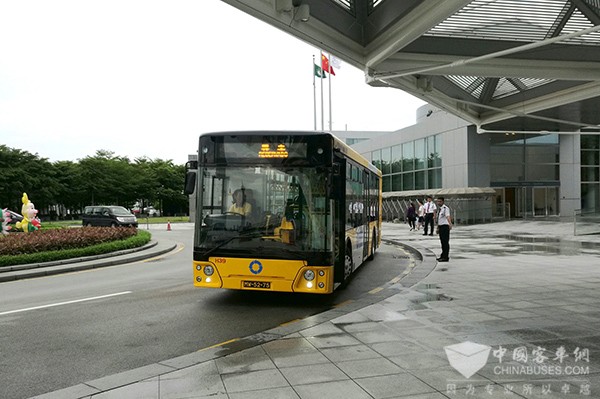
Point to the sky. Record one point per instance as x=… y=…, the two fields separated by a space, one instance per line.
x=146 y=78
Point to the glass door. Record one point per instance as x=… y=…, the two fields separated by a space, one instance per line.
x=545 y=201
x=540 y=207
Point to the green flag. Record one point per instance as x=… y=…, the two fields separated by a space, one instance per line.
x=319 y=72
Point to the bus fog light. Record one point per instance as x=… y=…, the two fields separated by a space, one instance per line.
x=309 y=275
x=199 y=279
x=209 y=270
x=321 y=285
x=309 y=285
x=321 y=273
x=208 y=279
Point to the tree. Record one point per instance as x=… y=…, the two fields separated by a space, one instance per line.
x=22 y=172
x=103 y=178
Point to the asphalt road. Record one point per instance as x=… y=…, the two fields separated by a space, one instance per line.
x=62 y=330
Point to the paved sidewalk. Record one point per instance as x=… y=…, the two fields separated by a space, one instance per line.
x=517 y=310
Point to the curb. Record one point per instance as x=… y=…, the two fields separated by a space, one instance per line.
x=48 y=270
x=29 y=266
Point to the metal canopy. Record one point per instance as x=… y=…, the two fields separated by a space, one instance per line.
x=530 y=65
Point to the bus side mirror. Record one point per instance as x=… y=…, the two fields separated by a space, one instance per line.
x=190 y=177
x=191 y=165
x=190 y=182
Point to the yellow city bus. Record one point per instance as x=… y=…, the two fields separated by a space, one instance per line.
x=282 y=211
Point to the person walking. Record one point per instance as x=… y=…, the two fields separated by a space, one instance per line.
x=411 y=216
x=430 y=209
x=444 y=225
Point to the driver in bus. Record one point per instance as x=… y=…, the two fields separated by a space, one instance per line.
x=240 y=205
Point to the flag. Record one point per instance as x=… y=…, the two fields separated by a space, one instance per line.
x=325 y=65
x=335 y=62
x=319 y=72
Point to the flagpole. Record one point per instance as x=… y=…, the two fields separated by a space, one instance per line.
x=314 y=95
x=330 y=79
x=322 y=106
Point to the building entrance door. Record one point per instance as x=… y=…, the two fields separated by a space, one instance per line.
x=531 y=201
x=545 y=201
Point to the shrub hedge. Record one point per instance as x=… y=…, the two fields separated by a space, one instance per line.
x=57 y=244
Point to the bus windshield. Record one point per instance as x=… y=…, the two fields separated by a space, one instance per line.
x=267 y=210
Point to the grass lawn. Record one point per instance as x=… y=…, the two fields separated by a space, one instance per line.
x=141 y=221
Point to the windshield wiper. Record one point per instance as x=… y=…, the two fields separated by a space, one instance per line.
x=252 y=234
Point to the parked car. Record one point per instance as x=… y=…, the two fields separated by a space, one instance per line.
x=151 y=211
x=108 y=215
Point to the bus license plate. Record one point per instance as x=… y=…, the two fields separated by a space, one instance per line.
x=257 y=284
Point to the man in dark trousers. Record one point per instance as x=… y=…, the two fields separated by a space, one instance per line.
x=444 y=223
x=429 y=214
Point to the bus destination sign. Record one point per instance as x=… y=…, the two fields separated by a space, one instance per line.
x=267 y=152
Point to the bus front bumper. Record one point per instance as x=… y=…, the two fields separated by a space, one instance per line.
x=263 y=275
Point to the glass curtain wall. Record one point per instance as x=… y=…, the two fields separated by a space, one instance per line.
x=414 y=165
x=527 y=169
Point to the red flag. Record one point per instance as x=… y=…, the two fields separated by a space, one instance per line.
x=325 y=65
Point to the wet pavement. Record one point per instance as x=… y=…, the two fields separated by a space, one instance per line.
x=515 y=313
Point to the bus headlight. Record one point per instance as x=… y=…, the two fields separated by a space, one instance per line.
x=209 y=270
x=309 y=275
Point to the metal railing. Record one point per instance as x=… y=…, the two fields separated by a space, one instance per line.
x=586 y=222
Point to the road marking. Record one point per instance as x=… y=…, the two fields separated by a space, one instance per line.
x=375 y=290
x=219 y=344
x=65 y=303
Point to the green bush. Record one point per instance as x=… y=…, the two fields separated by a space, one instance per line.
x=86 y=243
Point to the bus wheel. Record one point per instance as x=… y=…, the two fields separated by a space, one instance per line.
x=347 y=265
x=373 y=244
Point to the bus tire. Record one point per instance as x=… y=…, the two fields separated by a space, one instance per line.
x=348 y=266
x=373 y=246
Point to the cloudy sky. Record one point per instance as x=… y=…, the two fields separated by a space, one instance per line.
x=145 y=78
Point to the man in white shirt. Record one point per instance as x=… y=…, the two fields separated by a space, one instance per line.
x=444 y=223
x=429 y=215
